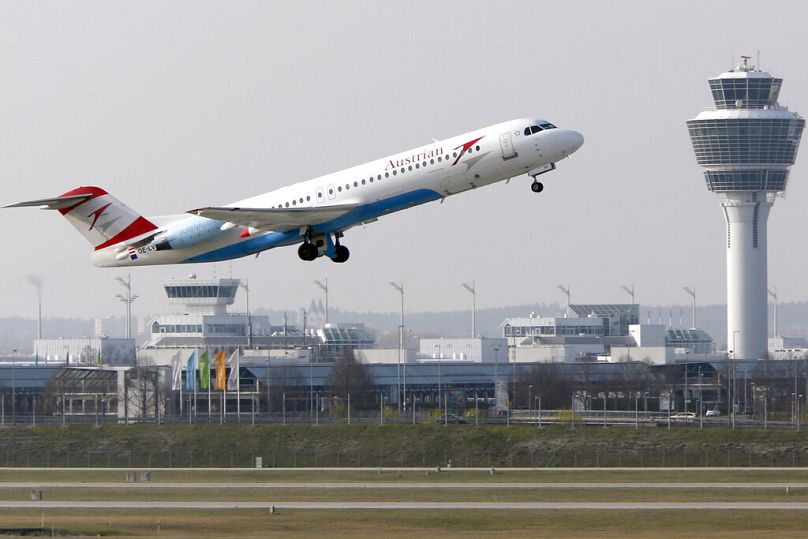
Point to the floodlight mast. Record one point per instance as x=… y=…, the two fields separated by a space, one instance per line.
x=128 y=299
x=630 y=292
x=692 y=293
x=566 y=291
x=773 y=294
x=400 y=288
x=324 y=287
x=473 y=289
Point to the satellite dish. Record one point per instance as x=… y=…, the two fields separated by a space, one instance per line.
x=739 y=103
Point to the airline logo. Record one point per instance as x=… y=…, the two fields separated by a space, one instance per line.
x=465 y=147
x=132 y=253
x=98 y=213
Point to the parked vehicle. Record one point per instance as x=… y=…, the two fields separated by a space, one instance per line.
x=712 y=413
x=450 y=418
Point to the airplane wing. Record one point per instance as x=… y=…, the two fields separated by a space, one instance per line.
x=274 y=218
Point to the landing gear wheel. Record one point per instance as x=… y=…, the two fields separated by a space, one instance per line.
x=307 y=252
x=342 y=254
x=536 y=187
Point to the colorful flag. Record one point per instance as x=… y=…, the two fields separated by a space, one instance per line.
x=176 y=372
x=190 y=372
x=233 y=379
x=221 y=367
x=204 y=371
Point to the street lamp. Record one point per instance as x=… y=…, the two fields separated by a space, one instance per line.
x=128 y=299
x=400 y=288
x=473 y=289
x=692 y=293
x=324 y=287
x=246 y=287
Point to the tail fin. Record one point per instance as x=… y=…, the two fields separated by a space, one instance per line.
x=99 y=216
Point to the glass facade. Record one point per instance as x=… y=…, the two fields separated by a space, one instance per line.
x=745 y=141
x=201 y=291
x=746 y=180
x=745 y=92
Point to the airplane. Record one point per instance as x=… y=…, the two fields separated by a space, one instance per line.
x=316 y=213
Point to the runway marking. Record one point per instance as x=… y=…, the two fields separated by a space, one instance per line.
x=438 y=506
x=404 y=485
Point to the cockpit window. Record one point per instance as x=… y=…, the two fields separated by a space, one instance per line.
x=532 y=129
x=547 y=126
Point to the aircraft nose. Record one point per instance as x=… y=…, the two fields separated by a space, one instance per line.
x=572 y=141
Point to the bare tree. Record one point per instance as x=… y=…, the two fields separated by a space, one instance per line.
x=349 y=376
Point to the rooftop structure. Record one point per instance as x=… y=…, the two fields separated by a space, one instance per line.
x=746 y=145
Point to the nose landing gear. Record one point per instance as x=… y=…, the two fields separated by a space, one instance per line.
x=537 y=186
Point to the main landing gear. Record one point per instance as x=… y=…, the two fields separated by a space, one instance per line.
x=314 y=247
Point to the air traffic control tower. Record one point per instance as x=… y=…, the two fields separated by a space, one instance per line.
x=746 y=144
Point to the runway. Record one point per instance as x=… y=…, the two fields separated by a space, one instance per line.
x=423 y=506
x=401 y=485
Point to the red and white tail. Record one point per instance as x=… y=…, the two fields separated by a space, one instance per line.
x=100 y=217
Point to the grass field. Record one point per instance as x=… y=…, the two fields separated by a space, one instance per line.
x=181 y=453
x=411 y=523
x=327 y=523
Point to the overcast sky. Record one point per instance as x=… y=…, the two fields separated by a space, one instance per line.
x=175 y=105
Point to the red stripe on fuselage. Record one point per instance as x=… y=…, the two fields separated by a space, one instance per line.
x=140 y=226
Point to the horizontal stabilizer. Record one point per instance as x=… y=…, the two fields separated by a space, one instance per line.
x=275 y=218
x=56 y=203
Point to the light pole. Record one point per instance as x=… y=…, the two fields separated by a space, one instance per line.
x=692 y=293
x=630 y=292
x=529 y=402
x=496 y=378
x=473 y=290
x=701 y=399
x=324 y=287
x=400 y=288
x=732 y=385
x=246 y=287
x=773 y=294
x=566 y=290
x=439 y=354
x=128 y=299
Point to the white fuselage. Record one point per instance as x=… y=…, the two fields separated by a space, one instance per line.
x=377 y=188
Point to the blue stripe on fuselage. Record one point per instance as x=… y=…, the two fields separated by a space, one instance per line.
x=353 y=217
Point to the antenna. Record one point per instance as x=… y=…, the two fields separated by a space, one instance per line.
x=757 y=60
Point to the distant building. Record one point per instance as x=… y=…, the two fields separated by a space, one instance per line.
x=84 y=351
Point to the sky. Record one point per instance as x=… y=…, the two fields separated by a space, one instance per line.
x=171 y=106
